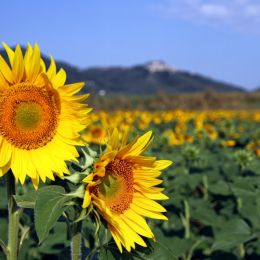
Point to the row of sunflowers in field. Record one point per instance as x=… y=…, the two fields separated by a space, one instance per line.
x=226 y=128
x=214 y=187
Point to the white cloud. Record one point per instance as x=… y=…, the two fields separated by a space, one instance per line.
x=252 y=10
x=242 y=15
x=214 y=10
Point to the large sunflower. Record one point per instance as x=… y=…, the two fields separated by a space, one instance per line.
x=122 y=189
x=40 y=118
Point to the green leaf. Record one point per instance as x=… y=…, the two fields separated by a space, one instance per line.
x=154 y=251
x=58 y=237
x=242 y=192
x=220 y=188
x=160 y=251
x=177 y=245
x=26 y=200
x=205 y=215
x=106 y=254
x=232 y=233
x=250 y=210
x=255 y=167
x=194 y=180
x=50 y=204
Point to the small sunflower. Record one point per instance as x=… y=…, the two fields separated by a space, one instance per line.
x=96 y=134
x=122 y=189
x=40 y=117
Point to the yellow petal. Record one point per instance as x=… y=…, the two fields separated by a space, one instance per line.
x=43 y=67
x=18 y=65
x=71 y=89
x=5 y=70
x=22 y=167
x=17 y=165
x=125 y=137
x=148 y=204
x=89 y=178
x=144 y=173
x=117 y=239
x=9 y=52
x=6 y=152
x=131 y=235
x=143 y=161
x=147 y=213
x=148 y=182
x=87 y=199
x=114 y=139
x=6 y=168
x=27 y=56
x=78 y=98
x=59 y=79
x=137 y=147
x=3 y=81
x=138 y=223
x=162 y=164
x=35 y=183
x=1 y=173
x=153 y=193
x=51 y=72
x=33 y=65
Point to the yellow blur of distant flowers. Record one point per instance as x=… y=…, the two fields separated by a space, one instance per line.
x=178 y=127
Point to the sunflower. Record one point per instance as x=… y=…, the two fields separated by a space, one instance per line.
x=40 y=117
x=122 y=189
x=96 y=134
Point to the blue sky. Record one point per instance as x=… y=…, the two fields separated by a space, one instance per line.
x=217 y=38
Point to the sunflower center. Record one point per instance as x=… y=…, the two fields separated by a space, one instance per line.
x=97 y=132
x=117 y=186
x=110 y=186
x=28 y=115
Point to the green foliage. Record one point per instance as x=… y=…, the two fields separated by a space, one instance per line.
x=213 y=210
x=49 y=206
x=26 y=200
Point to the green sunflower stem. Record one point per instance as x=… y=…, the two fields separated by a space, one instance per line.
x=187 y=219
x=205 y=187
x=13 y=219
x=242 y=251
x=76 y=241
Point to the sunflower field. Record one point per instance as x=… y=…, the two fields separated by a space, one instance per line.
x=80 y=185
x=213 y=187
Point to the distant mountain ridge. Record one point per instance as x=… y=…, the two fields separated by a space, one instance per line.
x=147 y=78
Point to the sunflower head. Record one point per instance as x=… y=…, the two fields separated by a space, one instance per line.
x=96 y=134
x=40 y=117
x=122 y=188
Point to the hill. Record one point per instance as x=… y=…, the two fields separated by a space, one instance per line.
x=148 y=78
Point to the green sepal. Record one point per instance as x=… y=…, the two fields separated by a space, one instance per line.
x=78 y=193
x=84 y=213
